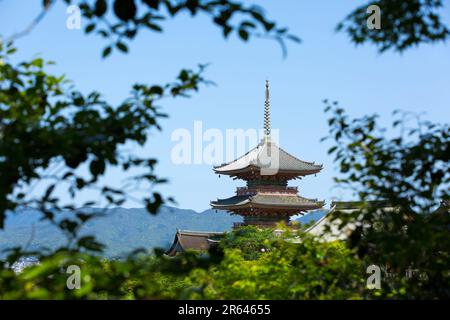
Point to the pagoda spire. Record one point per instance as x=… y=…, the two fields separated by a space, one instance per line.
x=267 y=112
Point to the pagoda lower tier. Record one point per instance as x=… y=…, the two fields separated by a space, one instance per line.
x=267 y=209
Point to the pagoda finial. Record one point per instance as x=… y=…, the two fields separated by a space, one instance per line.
x=267 y=112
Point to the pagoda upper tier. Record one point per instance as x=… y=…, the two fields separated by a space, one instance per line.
x=267 y=153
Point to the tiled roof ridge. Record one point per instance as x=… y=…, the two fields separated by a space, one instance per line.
x=262 y=143
x=249 y=198
x=306 y=162
x=235 y=160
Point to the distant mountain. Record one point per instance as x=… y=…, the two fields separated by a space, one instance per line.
x=121 y=230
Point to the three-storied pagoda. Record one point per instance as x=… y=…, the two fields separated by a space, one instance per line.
x=267 y=199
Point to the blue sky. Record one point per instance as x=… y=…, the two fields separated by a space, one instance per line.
x=324 y=65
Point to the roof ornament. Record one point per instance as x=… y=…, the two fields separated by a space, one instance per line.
x=267 y=112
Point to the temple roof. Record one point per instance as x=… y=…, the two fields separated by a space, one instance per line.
x=264 y=200
x=191 y=240
x=329 y=227
x=267 y=155
x=350 y=205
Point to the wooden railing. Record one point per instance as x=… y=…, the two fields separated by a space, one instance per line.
x=242 y=191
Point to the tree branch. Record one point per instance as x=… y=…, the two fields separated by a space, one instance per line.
x=33 y=24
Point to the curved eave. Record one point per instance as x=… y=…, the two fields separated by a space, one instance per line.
x=217 y=205
x=257 y=169
x=249 y=204
x=287 y=163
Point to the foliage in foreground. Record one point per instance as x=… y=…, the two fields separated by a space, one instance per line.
x=407 y=167
x=292 y=266
x=45 y=123
x=300 y=269
x=296 y=267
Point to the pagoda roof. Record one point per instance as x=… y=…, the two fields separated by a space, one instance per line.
x=258 y=159
x=261 y=200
